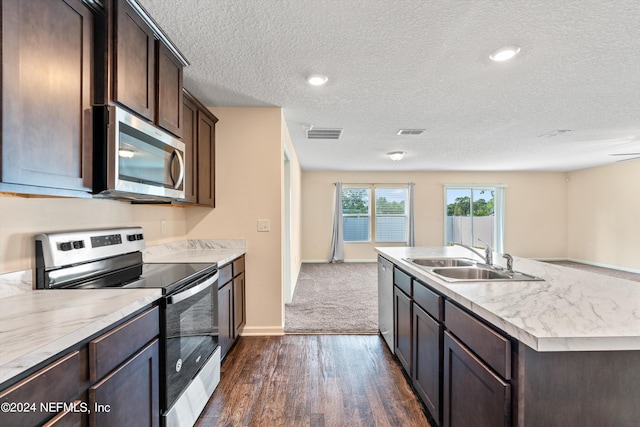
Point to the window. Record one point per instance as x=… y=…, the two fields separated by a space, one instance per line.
x=391 y=215
x=390 y=222
x=356 y=214
x=474 y=212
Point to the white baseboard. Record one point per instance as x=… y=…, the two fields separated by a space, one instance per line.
x=261 y=331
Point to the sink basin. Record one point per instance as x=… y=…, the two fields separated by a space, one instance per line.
x=442 y=262
x=475 y=274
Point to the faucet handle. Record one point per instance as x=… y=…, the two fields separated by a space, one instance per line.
x=509 y=259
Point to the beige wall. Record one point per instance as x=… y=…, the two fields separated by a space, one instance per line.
x=22 y=218
x=535 y=210
x=249 y=187
x=603 y=208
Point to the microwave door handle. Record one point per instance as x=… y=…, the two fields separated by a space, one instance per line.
x=176 y=183
x=187 y=293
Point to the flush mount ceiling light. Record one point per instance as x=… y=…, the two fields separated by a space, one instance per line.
x=396 y=155
x=504 y=53
x=126 y=153
x=317 y=79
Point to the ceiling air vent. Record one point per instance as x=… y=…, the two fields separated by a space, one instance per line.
x=320 y=133
x=411 y=131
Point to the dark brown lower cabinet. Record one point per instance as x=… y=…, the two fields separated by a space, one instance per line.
x=225 y=318
x=239 y=318
x=130 y=394
x=402 y=327
x=428 y=337
x=473 y=394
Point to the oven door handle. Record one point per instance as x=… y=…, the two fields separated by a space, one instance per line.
x=187 y=293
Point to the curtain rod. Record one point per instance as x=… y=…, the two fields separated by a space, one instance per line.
x=378 y=183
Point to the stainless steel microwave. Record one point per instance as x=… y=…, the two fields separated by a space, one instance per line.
x=134 y=159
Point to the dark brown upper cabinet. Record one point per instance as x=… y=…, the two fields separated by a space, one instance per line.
x=199 y=137
x=142 y=69
x=134 y=58
x=47 y=89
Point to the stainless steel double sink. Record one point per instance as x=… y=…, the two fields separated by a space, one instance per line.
x=468 y=270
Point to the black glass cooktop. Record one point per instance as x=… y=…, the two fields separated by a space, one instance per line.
x=168 y=277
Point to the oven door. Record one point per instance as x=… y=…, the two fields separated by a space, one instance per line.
x=191 y=334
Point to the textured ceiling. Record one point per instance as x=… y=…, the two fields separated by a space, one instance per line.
x=396 y=64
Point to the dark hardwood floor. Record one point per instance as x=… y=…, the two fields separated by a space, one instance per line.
x=312 y=380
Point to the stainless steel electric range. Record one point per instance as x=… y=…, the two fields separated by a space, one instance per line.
x=112 y=258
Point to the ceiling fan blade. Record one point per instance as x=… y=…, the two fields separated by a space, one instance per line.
x=625 y=160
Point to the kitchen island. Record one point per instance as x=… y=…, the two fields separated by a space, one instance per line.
x=564 y=350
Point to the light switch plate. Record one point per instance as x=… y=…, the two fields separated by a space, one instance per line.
x=264 y=225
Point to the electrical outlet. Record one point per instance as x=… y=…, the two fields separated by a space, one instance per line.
x=264 y=225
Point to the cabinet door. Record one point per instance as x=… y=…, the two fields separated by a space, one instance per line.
x=133 y=61
x=427 y=360
x=169 y=105
x=402 y=328
x=129 y=396
x=473 y=394
x=189 y=137
x=46 y=95
x=206 y=160
x=225 y=318
x=238 y=304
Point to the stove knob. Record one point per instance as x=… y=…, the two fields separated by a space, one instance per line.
x=66 y=246
x=139 y=236
x=78 y=244
x=131 y=237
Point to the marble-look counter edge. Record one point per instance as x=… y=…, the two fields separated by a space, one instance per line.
x=571 y=310
x=38 y=325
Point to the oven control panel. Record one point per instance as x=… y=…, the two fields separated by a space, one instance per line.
x=66 y=248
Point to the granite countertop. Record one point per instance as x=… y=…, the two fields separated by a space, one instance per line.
x=219 y=251
x=37 y=325
x=571 y=310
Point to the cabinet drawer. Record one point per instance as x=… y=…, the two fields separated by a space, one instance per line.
x=226 y=274
x=238 y=266
x=58 y=382
x=402 y=280
x=117 y=345
x=488 y=344
x=428 y=300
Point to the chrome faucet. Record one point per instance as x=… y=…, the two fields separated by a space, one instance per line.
x=488 y=253
x=509 y=259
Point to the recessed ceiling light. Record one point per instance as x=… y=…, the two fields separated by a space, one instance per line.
x=504 y=53
x=317 y=79
x=396 y=155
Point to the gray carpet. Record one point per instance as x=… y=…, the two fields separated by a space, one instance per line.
x=334 y=299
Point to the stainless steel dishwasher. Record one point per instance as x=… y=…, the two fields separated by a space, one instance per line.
x=385 y=300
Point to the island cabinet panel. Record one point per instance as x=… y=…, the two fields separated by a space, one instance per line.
x=578 y=388
x=428 y=337
x=129 y=396
x=47 y=78
x=402 y=304
x=60 y=382
x=133 y=61
x=473 y=394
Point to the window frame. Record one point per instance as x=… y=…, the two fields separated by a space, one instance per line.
x=498 y=210
x=372 y=215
